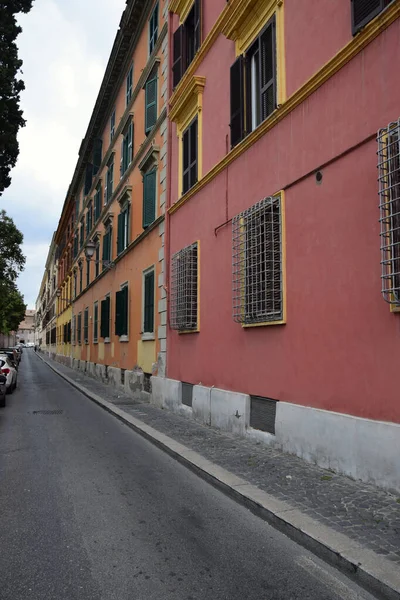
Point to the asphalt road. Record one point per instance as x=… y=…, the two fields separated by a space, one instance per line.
x=91 y=510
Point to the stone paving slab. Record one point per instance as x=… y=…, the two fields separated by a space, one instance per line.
x=364 y=513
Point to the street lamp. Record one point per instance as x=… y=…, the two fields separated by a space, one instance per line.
x=90 y=249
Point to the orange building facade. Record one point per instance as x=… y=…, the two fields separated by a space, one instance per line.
x=112 y=307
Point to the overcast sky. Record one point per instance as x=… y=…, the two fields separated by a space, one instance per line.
x=65 y=45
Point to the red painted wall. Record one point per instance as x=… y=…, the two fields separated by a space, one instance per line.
x=339 y=349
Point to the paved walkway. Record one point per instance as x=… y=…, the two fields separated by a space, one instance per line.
x=365 y=514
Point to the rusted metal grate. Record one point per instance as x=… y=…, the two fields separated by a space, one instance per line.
x=263 y=413
x=187 y=393
x=389 y=207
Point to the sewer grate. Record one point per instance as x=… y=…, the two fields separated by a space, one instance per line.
x=47 y=412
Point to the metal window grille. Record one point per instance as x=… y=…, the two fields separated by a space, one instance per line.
x=389 y=207
x=184 y=289
x=257 y=263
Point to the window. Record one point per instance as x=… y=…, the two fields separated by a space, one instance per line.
x=86 y=326
x=77 y=207
x=76 y=245
x=112 y=125
x=148 y=308
x=97 y=258
x=82 y=233
x=88 y=179
x=105 y=318
x=87 y=272
x=184 y=289
x=126 y=148
x=149 y=197
x=257 y=264
x=97 y=202
x=153 y=28
x=121 y=312
x=89 y=218
x=95 y=321
x=80 y=277
x=150 y=103
x=363 y=11
x=75 y=284
x=186 y=42
x=253 y=85
x=107 y=246
x=123 y=228
x=389 y=206
x=129 y=85
x=190 y=175
x=109 y=180
x=97 y=155
x=79 y=330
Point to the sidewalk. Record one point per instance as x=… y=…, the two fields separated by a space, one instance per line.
x=353 y=525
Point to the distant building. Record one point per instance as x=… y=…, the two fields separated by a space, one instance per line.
x=26 y=331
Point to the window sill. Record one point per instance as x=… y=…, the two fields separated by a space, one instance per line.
x=186 y=331
x=148 y=337
x=123 y=338
x=107 y=340
x=95 y=341
x=264 y=324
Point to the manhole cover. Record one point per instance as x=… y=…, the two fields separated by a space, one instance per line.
x=48 y=412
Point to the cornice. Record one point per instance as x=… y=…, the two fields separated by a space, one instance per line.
x=191 y=90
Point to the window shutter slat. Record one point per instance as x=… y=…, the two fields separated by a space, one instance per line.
x=149 y=198
x=177 y=65
x=151 y=104
x=149 y=303
x=362 y=11
x=237 y=101
x=124 y=326
x=267 y=71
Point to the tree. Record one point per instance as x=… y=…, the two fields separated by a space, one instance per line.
x=12 y=260
x=10 y=87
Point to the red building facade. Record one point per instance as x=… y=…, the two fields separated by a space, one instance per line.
x=278 y=327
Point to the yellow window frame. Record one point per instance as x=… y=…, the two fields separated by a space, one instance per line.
x=244 y=22
x=183 y=110
x=181 y=8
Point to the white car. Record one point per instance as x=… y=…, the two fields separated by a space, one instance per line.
x=7 y=369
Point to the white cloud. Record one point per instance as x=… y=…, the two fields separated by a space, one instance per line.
x=65 y=48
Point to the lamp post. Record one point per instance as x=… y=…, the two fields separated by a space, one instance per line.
x=90 y=249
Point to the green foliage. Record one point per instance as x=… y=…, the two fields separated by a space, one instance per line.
x=12 y=261
x=11 y=86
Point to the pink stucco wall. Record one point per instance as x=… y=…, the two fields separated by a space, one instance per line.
x=339 y=349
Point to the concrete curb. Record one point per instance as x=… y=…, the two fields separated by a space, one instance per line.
x=378 y=575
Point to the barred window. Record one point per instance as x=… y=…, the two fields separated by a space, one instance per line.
x=389 y=207
x=184 y=289
x=257 y=263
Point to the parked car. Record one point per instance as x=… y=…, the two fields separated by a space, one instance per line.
x=3 y=390
x=7 y=369
x=13 y=354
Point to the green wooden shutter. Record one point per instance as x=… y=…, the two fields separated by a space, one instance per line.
x=124 y=330
x=149 y=198
x=120 y=236
x=105 y=318
x=149 y=303
x=119 y=307
x=237 y=101
x=178 y=60
x=151 y=104
x=88 y=178
x=197 y=24
x=97 y=150
x=130 y=143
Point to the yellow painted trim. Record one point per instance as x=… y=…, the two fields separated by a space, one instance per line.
x=394 y=308
x=186 y=331
x=184 y=109
x=181 y=8
x=282 y=321
x=345 y=55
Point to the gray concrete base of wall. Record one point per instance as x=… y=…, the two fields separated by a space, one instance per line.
x=361 y=448
x=131 y=383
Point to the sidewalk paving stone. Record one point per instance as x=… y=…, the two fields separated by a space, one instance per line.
x=360 y=511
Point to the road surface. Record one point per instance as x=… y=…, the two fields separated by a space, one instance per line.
x=92 y=511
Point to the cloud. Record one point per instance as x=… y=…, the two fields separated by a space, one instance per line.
x=65 y=48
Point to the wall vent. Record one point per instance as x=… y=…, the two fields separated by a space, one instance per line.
x=187 y=393
x=263 y=413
